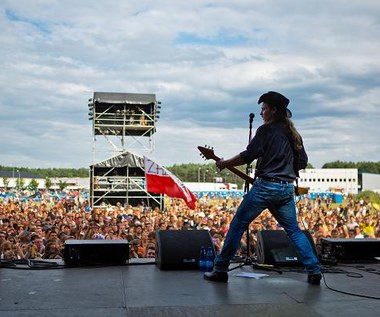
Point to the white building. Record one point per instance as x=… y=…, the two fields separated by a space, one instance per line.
x=370 y=182
x=199 y=186
x=343 y=180
x=72 y=183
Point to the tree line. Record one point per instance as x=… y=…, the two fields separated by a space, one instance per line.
x=51 y=172
x=363 y=167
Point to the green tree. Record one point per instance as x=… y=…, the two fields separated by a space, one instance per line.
x=33 y=185
x=369 y=196
x=62 y=184
x=48 y=183
x=6 y=181
x=20 y=183
x=205 y=173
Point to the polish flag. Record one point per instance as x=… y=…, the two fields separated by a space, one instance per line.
x=160 y=181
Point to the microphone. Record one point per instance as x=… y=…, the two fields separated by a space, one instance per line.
x=251 y=116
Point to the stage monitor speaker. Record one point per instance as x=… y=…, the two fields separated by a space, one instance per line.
x=274 y=247
x=350 y=250
x=180 y=249
x=96 y=252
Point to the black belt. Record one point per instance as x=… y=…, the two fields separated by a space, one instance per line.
x=275 y=180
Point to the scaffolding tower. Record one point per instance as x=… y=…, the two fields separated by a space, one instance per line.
x=122 y=123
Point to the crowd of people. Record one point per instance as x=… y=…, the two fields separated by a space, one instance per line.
x=32 y=229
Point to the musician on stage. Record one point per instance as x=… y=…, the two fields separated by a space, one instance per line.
x=280 y=154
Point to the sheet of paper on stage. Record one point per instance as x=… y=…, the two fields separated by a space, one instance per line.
x=251 y=275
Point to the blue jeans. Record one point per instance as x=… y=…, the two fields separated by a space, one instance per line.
x=279 y=199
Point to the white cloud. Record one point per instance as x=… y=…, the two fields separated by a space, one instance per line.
x=207 y=62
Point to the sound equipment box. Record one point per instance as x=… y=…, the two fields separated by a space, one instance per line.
x=96 y=252
x=274 y=247
x=180 y=249
x=350 y=250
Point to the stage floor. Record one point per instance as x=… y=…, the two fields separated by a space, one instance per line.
x=141 y=289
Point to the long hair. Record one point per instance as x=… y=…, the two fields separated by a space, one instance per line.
x=280 y=116
x=296 y=137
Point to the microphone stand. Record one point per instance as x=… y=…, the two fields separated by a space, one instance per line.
x=248 y=259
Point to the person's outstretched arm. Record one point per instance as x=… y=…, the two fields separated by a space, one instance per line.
x=236 y=160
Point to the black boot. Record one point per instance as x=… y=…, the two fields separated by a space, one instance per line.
x=314 y=279
x=216 y=276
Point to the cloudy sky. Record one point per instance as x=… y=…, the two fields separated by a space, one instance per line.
x=206 y=61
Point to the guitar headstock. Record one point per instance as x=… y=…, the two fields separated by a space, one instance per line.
x=207 y=153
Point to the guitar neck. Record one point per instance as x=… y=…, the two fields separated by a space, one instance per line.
x=208 y=154
x=241 y=174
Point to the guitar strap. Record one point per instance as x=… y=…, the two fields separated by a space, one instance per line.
x=296 y=190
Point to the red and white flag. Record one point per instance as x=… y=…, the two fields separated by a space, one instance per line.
x=160 y=181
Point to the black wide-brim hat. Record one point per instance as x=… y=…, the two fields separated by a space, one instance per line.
x=277 y=100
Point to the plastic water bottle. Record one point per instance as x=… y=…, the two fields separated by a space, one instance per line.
x=209 y=260
x=202 y=259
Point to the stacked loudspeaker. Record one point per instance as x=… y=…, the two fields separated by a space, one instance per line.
x=180 y=249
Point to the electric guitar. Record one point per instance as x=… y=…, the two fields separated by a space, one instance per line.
x=208 y=153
